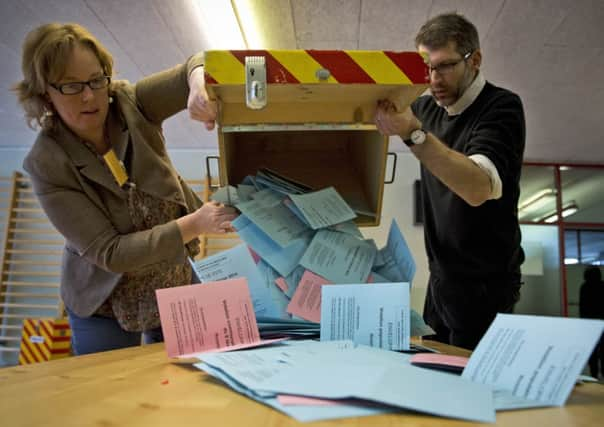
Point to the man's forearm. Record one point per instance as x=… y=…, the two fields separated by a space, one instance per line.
x=460 y=174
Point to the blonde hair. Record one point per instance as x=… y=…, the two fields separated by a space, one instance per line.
x=46 y=51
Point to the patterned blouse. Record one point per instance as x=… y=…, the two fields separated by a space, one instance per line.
x=133 y=303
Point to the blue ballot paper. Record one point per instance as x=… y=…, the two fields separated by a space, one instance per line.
x=235 y=262
x=251 y=181
x=302 y=413
x=322 y=208
x=376 y=278
x=349 y=227
x=376 y=315
x=315 y=369
x=279 y=223
x=397 y=262
x=268 y=178
x=244 y=192
x=227 y=195
x=419 y=328
x=532 y=361
x=284 y=260
x=270 y=327
x=267 y=197
x=339 y=257
x=293 y=280
x=278 y=300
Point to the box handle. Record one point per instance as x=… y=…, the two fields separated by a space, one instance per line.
x=209 y=175
x=393 y=175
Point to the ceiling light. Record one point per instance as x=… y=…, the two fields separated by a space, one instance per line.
x=218 y=24
x=569 y=209
x=249 y=23
x=537 y=201
x=571 y=261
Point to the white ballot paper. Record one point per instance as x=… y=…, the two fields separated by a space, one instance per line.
x=376 y=315
x=532 y=361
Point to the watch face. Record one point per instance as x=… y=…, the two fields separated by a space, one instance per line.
x=418 y=136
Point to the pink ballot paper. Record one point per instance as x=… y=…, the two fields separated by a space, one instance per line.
x=306 y=301
x=212 y=316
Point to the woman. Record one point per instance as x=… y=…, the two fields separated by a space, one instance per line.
x=100 y=169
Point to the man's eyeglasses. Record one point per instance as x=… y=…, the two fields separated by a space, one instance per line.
x=73 y=88
x=447 y=67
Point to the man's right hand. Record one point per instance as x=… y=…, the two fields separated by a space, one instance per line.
x=389 y=121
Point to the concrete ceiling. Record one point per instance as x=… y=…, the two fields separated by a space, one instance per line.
x=551 y=52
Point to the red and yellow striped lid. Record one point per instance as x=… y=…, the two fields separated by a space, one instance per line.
x=300 y=67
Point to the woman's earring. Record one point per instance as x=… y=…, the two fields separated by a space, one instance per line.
x=47 y=114
x=111 y=99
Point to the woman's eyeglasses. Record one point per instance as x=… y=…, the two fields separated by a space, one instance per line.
x=73 y=88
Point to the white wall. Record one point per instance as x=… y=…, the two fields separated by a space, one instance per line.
x=11 y=160
x=540 y=294
x=398 y=204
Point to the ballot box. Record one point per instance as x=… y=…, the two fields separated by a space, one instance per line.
x=308 y=115
x=44 y=339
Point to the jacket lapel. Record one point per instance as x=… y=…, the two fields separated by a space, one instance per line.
x=150 y=167
x=86 y=161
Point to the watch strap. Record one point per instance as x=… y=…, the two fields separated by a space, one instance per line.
x=409 y=142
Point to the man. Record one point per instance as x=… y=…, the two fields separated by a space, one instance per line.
x=591 y=306
x=469 y=137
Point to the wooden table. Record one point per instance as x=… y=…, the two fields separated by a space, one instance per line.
x=140 y=386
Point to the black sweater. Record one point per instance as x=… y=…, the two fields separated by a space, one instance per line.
x=475 y=242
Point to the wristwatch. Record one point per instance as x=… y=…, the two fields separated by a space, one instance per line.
x=418 y=136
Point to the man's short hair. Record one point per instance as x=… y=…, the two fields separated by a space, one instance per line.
x=442 y=29
x=592 y=274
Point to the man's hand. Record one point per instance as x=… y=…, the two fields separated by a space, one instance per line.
x=390 y=122
x=200 y=106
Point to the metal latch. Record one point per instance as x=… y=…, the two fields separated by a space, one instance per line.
x=255 y=82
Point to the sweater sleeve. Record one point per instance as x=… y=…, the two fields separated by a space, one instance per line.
x=499 y=134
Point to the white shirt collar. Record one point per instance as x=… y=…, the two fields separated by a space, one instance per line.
x=468 y=96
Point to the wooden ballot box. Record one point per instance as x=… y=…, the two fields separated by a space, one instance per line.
x=308 y=115
x=44 y=339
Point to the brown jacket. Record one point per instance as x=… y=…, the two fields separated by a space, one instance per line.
x=87 y=206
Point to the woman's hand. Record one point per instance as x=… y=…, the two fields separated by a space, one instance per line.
x=214 y=217
x=200 y=106
x=211 y=218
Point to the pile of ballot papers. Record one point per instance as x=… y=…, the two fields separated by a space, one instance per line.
x=305 y=269
x=522 y=362
x=295 y=241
